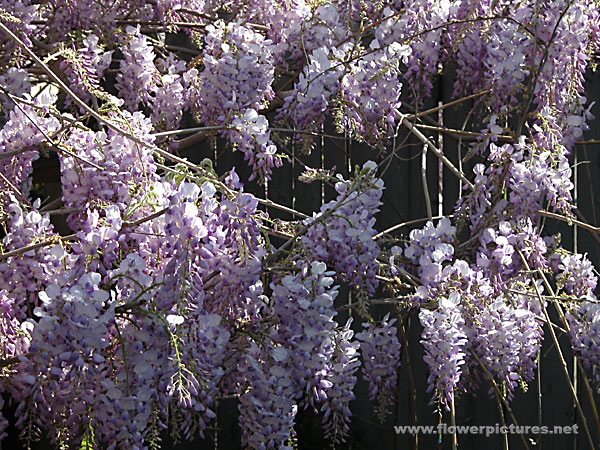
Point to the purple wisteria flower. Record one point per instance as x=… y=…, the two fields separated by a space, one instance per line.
x=507 y=340
x=17 y=82
x=430 y=247
x=138 y=76
x=380 y=351
x=341 y=235
x=444 y=339
x=577 y=275
x=23 y=276
x=345 y=364
x=128 y=169
x=267 y=408
x=303 y=305
x=584 y=333
x=24 y=130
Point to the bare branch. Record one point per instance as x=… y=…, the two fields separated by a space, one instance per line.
x=408 y=124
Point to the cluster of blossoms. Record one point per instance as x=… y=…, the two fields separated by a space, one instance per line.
x=67 y=343
x=170 y=100
x=137 y=77
x=233 y=250
x=474 y=314
x=14 y=339
x=502 y=249
x=18 y=16
x=506 y=61
x=367 y=90
x=444 y=340
x=83 y=326
x=120 y=173
x=284 y=22
x=235 y=83
x=343 y=379
x=251 y=135
x=503 y=333
x=510 y=57
x=272 y=389
x=430 y=247
x=297 y=366
x=320 y=28
x=549 y=166
x=342 y=233
x=14 y=342
x=23 y=133
x=310 y=339
x=380 y=351
x=418 y=22
x=577 y=275
x=169 y=297
x=320 y=358
x=317 y=84
x=534 y=174
x=506 y=340
x=562 y=25
x=23 y=276
x=584 y=323
x=16 y=82
x=370 y=94
x=63 y=17
x=170 y=12
x=85 y=68
x=237 y=75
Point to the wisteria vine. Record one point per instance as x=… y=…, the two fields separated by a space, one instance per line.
x=174 y=286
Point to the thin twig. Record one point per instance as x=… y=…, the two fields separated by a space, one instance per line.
x=560 y=354
x=61 y=211
x=190 y=130
x=273 y=256
x=447 y=105
x=47 y=111
x=406 y=224
x=395 y=301
x=284 y=208
x=57 y=238
x=499 y=394
x=473 y=134
x=204 y=130
x=408 y=124
x=411 y=379
x=453 y=422
x=563 y=319
x=160 y=25
x=424 y=182
x=582 y=218
x=52 y=205
x=14 y=359
x=11 y=153
x=16 y=191
x=9 y=361
x=502 y=421
x=152 y=216
x=30 y=247
x=562 y=218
